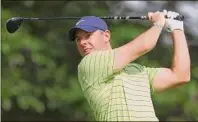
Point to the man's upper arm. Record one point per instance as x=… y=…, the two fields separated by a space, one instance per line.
x=164 y=79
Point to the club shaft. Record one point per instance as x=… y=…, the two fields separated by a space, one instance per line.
x=105 y=17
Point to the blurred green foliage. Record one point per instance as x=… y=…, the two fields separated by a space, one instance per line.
x=39 y=65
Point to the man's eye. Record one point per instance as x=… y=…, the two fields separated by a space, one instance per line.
x=87 y=36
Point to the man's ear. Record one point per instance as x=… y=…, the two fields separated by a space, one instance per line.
x=107 y=35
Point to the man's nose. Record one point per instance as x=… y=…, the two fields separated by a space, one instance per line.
x=83 y=42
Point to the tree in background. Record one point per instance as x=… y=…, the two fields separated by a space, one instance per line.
x=39 y=64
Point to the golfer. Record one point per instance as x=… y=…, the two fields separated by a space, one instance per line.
x=116 y=88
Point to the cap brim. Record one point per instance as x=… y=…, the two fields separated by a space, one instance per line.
x=83 y=27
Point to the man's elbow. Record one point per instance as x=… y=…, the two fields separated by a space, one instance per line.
x=185 y=78
x=186 y=75
x=182 y=75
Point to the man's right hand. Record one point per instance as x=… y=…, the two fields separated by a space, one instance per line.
x=157 y=18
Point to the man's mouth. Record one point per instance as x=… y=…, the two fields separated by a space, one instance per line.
x=86 y=51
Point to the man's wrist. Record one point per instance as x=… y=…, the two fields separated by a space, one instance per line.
x=177 y=31
x=158 y=26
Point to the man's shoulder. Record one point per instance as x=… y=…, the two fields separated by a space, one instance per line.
x=136 y=65
x=132 y=68
x=86 y=58
x=96 y=56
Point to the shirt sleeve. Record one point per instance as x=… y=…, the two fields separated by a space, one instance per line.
x=151 y=72
x=96 y=68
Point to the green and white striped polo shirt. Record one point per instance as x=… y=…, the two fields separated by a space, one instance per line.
x=116 y=96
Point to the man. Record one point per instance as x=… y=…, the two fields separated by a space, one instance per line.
x=116 y=88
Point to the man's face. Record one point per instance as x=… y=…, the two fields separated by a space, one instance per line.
x=88 y=42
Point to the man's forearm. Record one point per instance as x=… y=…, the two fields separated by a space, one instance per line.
x=149 y=38
x=181 y=58
x=141 y=44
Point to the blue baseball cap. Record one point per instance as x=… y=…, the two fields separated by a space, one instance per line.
x=88 y=24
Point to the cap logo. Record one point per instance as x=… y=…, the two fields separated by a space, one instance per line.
x=79 y=22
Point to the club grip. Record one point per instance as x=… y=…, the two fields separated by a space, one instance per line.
x=179 y=17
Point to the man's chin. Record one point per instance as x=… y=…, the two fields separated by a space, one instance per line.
x=87 y=52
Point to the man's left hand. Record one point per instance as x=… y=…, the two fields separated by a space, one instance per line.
x=171 y=23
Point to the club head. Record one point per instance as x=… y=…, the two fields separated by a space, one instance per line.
x=13 y=24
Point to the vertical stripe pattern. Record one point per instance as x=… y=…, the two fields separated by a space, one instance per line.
x=122 y=96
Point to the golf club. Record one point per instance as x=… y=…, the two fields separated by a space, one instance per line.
x=14 y=23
